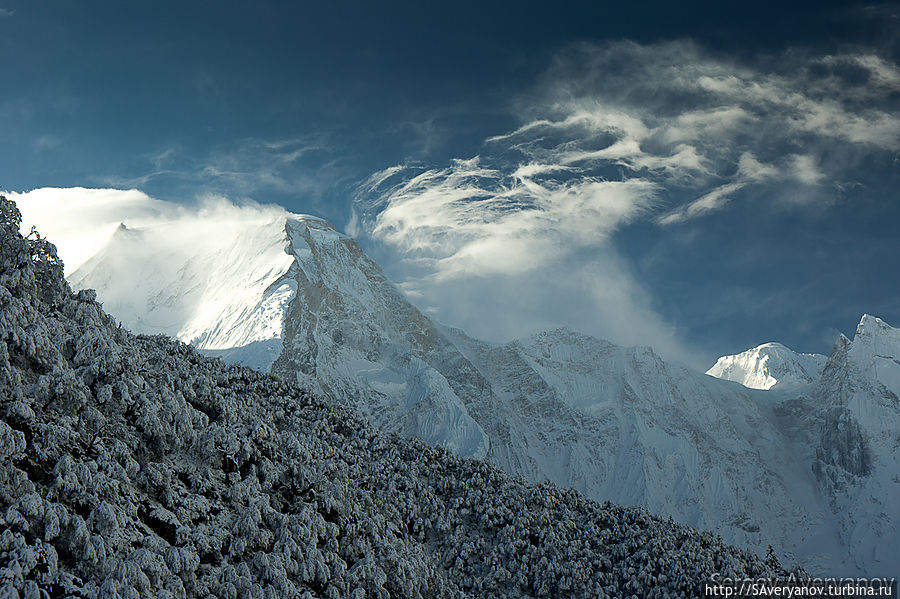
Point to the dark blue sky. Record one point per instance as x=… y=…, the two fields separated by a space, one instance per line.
x=784 y=227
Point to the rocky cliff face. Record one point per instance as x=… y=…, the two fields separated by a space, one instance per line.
x=857 y=440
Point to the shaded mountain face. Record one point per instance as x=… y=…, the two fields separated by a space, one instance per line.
x=768 y=366
x=856 y=406
x=350 y=334
x=614 y=423
x=133 y=466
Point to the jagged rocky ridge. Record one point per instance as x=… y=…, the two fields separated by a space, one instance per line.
x=132 y=466
x=847 y=427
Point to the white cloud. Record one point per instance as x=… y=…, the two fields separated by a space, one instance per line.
x=708 y=202
x=751 y=169
x=5 y=12
x=506 y=251
x=683 y=118
x=471 y=218
x=805 y=170
x=880 y=73
x=472 y=229
x=616 y=133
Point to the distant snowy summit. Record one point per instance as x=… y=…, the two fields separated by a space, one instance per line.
x=768 y=366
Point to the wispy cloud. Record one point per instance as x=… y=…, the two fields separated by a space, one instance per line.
x=6 y=13
x=249 y=167
x=702 y=126
x=504 y=248
x=615 y=133
x=686 y=119
x=163 y=157
x=45 y=142
x=472 y=217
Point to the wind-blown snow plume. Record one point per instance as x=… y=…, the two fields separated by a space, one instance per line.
x=82 y=221
x=208 y=274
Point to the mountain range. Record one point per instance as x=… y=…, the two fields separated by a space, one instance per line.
x=132 y=466
x=770 y=447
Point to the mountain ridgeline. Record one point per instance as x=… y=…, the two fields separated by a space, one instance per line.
x=804 y=461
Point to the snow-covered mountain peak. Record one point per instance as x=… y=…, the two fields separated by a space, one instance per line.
x=305 y=222
x=769 y=365
x=875 y=351
x=218 y=286
x=878 y=337
x=872 y=325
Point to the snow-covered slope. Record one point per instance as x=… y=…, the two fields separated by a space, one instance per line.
x=844 y=424
x=768 y=366
x=621 y=423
